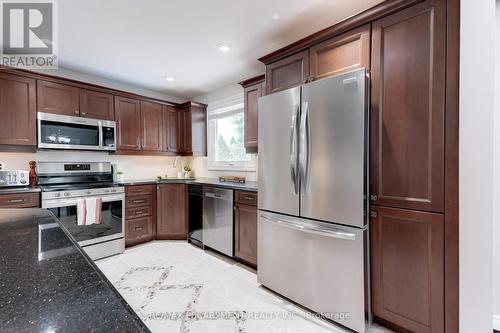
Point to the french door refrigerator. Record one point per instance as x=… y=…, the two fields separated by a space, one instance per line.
x=313 y=183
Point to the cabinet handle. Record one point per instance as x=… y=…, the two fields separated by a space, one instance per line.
x=373 y=197
x=137 y=212
x=139 y=190
x=373 y=214
x=16 y=200
x=138 y=228
x=249 y=198
x=138 y=201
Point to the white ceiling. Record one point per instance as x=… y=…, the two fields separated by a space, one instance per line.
x=140 y=42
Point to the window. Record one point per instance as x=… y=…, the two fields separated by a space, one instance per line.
x=226 y=123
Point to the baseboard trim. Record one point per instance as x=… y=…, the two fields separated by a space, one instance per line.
x=496 y=323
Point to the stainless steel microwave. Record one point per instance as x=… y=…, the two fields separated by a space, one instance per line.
x=66 y=132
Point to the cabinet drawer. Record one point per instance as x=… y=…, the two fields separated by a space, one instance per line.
x=139 y=189
x=139 y=200
x=139 y=228
x=247 y=198
x=23 y=200
x=135 y=212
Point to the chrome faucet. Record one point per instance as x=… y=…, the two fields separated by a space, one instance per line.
x=174 y=165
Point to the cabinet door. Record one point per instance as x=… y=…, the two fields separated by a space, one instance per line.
x=151 y=126
x=186 y=144
x=408 y=105
x=18 y=109
x=198 y=131
x=171 y=220
x=96 y=105
x=287 y=73
x=171 y=129
x=252 y=94
x=343 y=53
x=58 y=98
x=408 y=268
x=128 y=125
x=245 y=246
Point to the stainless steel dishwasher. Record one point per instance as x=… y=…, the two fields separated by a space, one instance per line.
x=218 y=219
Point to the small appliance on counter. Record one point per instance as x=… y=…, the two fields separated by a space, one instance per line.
x=14 y=178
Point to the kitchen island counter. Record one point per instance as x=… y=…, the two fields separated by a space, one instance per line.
x=48 y=284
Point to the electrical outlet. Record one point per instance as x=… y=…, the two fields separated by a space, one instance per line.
x=2 y=165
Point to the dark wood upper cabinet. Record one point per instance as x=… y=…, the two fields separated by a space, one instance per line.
x=128 y=124
x=288 y=72
x=343 y=53
x=97 y=105
x=171 y=124
x=408 y=108
x=407 y=263
x=18 y=110
x=194 y=129
x=58 y=98
x=151 y=126
x=171 y=205
x=253 y=89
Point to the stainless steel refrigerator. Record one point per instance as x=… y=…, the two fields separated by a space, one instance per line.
x=313 y=183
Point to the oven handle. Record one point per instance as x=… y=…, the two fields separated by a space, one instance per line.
x=57 y=203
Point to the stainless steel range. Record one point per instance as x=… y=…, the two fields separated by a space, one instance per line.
x=66 y=190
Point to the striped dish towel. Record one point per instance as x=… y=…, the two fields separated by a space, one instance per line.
x=89 y=211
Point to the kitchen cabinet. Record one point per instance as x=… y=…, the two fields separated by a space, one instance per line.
x=171 y=129
x=193 y=129
x=342 y=53
x=96 y=105
x=151 y=126
x=172 y=211
x=66 y=100
x=245 y=223
x=128 y=125
x=407 y=266
x=140 y=214
x=20 y=200
x=58 y=98
x=288 y=72
x=408 y=108
x=253 y=89
x=18 y=109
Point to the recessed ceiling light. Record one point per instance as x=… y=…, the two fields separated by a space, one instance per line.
x=169 y=79
x=223 y=47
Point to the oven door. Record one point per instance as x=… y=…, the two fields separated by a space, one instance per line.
x=112 y=226
x=66 y=132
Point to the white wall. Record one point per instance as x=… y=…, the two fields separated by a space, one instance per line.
x=134 y=167
x=496 y=186
x=69 y=74
x=476 y=164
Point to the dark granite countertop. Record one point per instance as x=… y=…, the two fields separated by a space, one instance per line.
x=21 y=189
x=48 y=284
x=248 y=186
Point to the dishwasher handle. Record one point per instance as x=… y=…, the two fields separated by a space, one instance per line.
x=217 y=196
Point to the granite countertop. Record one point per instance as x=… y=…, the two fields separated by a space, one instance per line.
x=248 y=186
x=48 y=284
x=21 y=189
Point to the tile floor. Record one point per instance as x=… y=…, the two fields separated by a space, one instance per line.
x=176 y=287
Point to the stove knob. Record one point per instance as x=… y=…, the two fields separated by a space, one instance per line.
x=57 y=195
x=113 y=190
x=88 y=192
x=67 y=194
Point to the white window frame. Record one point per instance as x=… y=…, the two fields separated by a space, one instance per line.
x=219 y=109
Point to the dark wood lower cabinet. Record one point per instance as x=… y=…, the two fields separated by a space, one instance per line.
x=140 y=214
x=172 y=211
x=20 y=200
x=407 y=266
x=245 y=241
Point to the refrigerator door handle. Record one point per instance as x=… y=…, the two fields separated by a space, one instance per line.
x=330 y=232
x=293 y=152
x=304 y=147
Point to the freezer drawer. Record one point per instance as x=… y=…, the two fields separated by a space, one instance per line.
x=218 y=219
x=318 y=265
